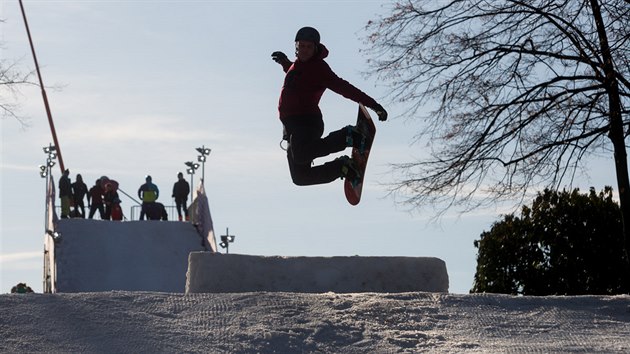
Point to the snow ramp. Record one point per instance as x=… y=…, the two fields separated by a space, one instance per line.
x=98 y=255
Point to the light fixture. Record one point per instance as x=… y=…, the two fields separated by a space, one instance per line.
x=192 y=165
x=204 y=150
x=56 y=236
x=226 y=240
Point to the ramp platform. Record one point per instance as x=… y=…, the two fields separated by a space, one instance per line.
x=99 y=255
x=232 y=273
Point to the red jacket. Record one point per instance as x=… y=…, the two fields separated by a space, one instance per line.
x=306 y=82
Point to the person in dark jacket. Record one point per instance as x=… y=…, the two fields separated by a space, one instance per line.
x=110 y=199
x=79 y=190
x=95 y=200
x=156 y=211
x=65 y=193
x=304 y=84
x=181 y=189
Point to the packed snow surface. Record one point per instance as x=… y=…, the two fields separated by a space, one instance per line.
x=263 y=322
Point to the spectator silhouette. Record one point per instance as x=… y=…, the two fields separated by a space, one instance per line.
x=79 y=190
x=181 y=189
x=96 y=196
x=110 y=200
x=65 y=193
x=148 y=193
x=156 y=211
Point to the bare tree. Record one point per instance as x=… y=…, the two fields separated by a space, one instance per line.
x=521 y=92
x=11 y=78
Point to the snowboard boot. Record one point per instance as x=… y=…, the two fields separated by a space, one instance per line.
x=356 y=138
x=350 y=170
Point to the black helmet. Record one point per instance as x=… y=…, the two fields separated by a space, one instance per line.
x=307 y=34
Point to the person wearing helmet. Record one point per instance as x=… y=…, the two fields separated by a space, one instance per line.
x=148 y=193
x=305 y=81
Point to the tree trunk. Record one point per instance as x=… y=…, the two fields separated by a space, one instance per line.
x=616 y=133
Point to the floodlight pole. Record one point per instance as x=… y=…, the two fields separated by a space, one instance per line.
x=191 y=172
x=226 y=240
x=204 y=152
x=45 y=172
x=41 y=85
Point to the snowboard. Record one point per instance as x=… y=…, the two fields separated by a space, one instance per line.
x=360 y=154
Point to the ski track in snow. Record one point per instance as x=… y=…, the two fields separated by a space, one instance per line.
x=143 y=322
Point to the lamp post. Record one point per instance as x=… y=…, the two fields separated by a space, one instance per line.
x=204 y=151
x=192 y=166
x=44 y=172
x=226 y=240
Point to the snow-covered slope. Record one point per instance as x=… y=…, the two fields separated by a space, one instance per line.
x=143 y=322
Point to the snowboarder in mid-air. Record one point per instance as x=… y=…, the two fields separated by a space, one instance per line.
x=304 y=84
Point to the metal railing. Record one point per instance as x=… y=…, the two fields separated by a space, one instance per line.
x=171 y=210
x=134 y=212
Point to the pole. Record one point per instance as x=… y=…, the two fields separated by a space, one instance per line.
x=203 y=170
x=41 y=85
x=203 y=165
x=48 y=177
x=192 y=185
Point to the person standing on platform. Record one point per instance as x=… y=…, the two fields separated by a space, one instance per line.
x=79 y=190
x=65 y=193
x=181 y=189
x=95 y=200
x=148 y=193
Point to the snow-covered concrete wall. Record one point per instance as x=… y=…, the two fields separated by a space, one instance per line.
x=224 y=273
x=97 y=255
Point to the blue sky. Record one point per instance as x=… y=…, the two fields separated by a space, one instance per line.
x=135 y=86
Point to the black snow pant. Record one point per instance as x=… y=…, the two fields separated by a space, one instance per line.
x=180 y=203
x=94 y=207
x=304 y=134
x=79 y=208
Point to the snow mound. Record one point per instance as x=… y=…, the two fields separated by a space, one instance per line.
x=143 y=322
x=232 y=273
x=97 y=255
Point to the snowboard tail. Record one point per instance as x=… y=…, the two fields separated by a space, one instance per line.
x=353 y=188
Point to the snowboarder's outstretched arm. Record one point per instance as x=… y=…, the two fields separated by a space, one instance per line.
x=281 y=59
x=347 y=90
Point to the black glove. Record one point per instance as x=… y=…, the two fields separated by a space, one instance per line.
x=381 y=112
x=280 y=58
